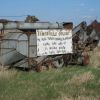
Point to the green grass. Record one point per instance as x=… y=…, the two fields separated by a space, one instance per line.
x=55 y=84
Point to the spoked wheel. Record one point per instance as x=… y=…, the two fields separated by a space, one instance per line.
x=48 y=64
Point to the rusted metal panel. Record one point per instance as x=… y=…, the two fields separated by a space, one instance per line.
x=25 y=26
x=33 y=51
x=82 y=26
x=68 y=25
x=10 y=25
x=33 y=45
x=33 y=39
x=1 y=26
x=22 y=47
x=22 y=63
x=8 y=52
x=10 y=57
x=39 y=25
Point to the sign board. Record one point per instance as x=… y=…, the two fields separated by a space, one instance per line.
x=54 y=41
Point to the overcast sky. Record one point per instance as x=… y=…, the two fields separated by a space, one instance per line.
x=51 y=10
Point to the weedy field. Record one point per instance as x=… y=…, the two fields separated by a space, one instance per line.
x=67 y=83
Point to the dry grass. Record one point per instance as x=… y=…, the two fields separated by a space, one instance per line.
x=65 y=97
x=95 y=58
x=87 y=98
x=81 y=78
x=7 y=73
x=51 y=84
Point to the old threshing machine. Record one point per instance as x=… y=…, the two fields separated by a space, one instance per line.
x=34 y=44
x=40 y=45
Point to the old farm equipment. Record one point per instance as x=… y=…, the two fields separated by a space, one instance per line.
x=85 y=38
x=34 y=44
x=80 y=54
x=41 y=45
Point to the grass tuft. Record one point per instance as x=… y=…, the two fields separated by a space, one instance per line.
x=81 y=78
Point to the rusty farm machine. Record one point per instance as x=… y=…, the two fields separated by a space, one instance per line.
x=40 y=45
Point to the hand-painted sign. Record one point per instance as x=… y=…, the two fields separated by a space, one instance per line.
x=55 y=41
